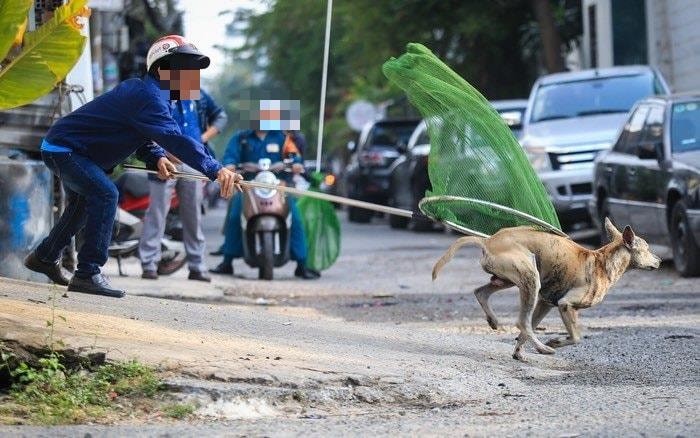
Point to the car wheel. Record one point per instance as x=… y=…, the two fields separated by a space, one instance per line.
x=686 y=254
x=359 y=215
x=422 y=225
x=419 y=188
x=398 y=222
x=603 y=212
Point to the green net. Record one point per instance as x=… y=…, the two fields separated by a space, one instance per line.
x=321 y=227
x=473 y=153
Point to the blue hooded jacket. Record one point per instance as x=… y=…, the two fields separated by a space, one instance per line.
x=128 y=119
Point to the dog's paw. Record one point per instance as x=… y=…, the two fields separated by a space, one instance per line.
x=517 y=355
x=555 y=343
x=543 y=349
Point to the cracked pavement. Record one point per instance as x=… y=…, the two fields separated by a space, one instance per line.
x=375 y=347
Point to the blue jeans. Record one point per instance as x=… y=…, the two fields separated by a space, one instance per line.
x=233 y=242
x=91 y=204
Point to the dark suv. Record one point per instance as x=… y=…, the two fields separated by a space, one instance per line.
x=368 y=173
x=651 y=177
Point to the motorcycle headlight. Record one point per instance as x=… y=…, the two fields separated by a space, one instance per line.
x=266 y=178
x=538 y=158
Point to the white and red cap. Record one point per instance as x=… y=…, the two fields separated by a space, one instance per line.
x=175 y=45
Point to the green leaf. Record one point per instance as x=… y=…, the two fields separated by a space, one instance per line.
x=12 y=16
x=46 y=58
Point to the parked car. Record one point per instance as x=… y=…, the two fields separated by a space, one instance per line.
x=573 y=116
x=409 y=173
x=651 y=177
x=513 y=113
x=368 y=172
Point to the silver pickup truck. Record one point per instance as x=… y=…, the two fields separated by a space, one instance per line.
x=572 y=116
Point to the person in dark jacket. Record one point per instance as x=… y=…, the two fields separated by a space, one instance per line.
x=84 y=146
x=212 y=119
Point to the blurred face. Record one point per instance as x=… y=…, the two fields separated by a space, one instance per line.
x=180 y=84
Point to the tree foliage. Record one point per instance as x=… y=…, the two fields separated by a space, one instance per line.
x=494 y=45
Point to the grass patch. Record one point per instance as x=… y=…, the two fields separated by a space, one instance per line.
x=179 y=410
x=48 y=394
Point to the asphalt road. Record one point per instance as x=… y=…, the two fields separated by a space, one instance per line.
x=375 y=347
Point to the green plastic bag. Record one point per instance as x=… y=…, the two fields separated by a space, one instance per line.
x=321 y=227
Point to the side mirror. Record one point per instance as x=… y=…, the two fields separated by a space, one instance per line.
x=513 y=119
x=351 y=146
x=650 y=151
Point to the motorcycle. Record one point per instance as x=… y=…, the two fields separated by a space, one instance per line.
x=128 y=226
x=266 y=219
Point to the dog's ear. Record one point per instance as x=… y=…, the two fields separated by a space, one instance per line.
x=613 y=232
x=628 y=237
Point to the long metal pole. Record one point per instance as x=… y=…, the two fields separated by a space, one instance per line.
x=375 y=207
x=324 y=81
x=295 y=192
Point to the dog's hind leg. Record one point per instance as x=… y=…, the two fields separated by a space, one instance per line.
x=541 y=310
x=528 y=281
x=482 y=296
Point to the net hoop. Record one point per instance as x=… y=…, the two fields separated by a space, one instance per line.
x=442 y=198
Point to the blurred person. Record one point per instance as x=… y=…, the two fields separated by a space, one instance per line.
x=85 y=145
x=191 y=121
x=212 y=121
x=202 y=120
x=250 y=146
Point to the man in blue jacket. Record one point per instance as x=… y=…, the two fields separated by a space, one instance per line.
x=82 y=147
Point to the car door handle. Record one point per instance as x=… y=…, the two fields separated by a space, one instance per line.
x=608 y=168
x=631 y=171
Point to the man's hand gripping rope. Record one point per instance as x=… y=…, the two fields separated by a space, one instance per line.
x=228 y=180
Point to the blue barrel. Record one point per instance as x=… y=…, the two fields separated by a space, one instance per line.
x=26 y=214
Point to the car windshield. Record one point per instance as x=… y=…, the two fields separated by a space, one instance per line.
x=391 y=135
x=685 y=127
x=595 y=96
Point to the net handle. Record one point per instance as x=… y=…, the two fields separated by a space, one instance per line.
x=503 y=208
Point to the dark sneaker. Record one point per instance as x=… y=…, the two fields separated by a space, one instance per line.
x=218 y=252
x=150 y=275
x=307 y=274
x=223 y=268
x=51 y=270
x=199 y=276
x=96 y=285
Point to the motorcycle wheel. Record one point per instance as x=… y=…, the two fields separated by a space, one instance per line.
x=267 y=256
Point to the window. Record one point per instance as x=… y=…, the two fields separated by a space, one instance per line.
x=685 y=127
x=654 y=129
x=629 y=32
x=390 y=134
x=424 y=137
x=606 y=95
x=632 y=132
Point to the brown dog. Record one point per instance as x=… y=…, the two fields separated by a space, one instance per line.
x=551 y=270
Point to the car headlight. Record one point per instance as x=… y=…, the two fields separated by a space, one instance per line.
x=538 y=158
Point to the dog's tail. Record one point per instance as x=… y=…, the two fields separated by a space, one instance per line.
x=467 y=240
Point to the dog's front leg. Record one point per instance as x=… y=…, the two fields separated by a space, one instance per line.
x=570 y=317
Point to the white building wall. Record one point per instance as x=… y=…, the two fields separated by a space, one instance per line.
x=674 y=41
